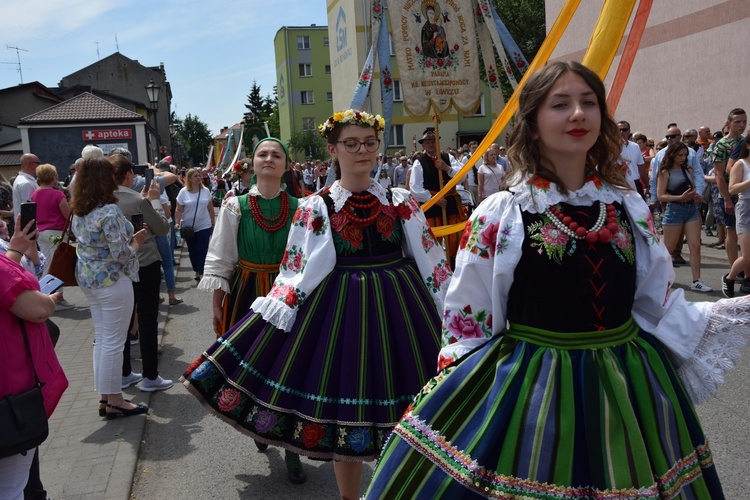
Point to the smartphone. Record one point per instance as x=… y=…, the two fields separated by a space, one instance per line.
x=28 y=213
x=49 y=284
x=149 y=175
x=140 y=169
x=137 y=220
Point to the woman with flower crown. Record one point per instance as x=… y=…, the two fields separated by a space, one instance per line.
x=582 y=388
x=327 y=362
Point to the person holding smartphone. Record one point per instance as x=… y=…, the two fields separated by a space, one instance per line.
x=146 y=204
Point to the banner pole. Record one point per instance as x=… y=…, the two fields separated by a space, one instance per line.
x=436 y=121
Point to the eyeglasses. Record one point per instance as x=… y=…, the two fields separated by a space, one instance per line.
x=501 y=149
x=624 y=130
x=672 y=136
x=353 y=146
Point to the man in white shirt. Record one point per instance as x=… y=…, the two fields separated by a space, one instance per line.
x=631 y=156
x=25 y=182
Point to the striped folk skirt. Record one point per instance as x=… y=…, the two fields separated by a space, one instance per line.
x=364 y=343
x=248 y=282
x=544 y=415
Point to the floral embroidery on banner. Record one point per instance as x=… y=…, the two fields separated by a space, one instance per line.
x=464 y=324
x=294 y=259
x=287 y=294
x=440 y=274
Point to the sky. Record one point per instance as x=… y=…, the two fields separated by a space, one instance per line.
x=212 y=51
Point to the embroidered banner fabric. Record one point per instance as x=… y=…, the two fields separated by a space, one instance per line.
x=436 y=50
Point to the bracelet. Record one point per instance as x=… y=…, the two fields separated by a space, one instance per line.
x=16 y=251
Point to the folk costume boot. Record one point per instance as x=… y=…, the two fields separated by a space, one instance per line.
x=294 y=468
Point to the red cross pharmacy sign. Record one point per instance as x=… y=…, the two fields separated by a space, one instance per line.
x=114 y=134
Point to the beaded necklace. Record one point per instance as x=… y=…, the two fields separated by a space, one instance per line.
x=369 y=201
x=601 y=231
x=268 y=224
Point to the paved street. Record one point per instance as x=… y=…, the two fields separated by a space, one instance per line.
x=180 y=451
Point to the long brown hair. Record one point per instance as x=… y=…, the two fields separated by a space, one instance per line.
x=670 y=158
x=525 y=154
x=95 y=185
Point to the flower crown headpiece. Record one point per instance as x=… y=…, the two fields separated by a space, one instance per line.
x=240 y=167
x=352 y=117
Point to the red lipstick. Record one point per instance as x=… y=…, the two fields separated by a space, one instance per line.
x=577 y=132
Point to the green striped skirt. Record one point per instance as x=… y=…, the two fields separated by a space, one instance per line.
x=547 y=415
x=363 y=344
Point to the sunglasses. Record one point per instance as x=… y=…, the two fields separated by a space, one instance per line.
x=624 y=130
x=672 y=136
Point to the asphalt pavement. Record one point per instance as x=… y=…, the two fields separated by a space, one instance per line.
x=180 y=451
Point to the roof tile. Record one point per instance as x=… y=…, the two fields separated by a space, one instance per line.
x=82 y=108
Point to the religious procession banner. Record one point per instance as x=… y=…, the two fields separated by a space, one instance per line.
x=436 y=50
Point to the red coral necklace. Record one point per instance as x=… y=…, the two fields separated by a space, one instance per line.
x=368 y=201
x=602 y=231
x=268 y=224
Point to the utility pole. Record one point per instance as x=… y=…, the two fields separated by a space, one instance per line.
x=18 y=56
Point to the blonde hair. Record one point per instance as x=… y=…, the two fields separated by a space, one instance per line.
x=46 y=174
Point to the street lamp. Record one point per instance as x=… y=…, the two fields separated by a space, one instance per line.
x=153 y=97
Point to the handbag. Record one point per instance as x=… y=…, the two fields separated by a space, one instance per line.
x=22 y=416
x=187 y=232
x=684 y=185
x=63 y=265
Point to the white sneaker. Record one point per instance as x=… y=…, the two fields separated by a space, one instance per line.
x=131 y=379
x=158 y=384
x=699 y=286
x=63 y=305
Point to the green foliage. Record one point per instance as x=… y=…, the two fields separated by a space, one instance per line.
x=196 y=138
x=260 y=109
x=525 y=20
x=308 y=143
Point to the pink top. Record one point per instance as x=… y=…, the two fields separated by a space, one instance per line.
x=48 y=214
x=16 y=375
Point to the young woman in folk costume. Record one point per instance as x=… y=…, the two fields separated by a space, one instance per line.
x=247 y=247
x=328 y=361
x=589 y=392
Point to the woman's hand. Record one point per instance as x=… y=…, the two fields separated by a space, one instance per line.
x=139 y=238
x=23 y=238
x=153 y=192
x=688 y=195
x=218 y=311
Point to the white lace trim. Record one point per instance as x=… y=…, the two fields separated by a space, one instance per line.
x=275 y=312
x=534 y=200
x=339 y=195
x=727 y=332
x=254 y=191
x=212 y=282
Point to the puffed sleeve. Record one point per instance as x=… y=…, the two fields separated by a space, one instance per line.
x=703 y=338
x=309 y=257
x=476 y=302
x=223 y=254
x=420 y=244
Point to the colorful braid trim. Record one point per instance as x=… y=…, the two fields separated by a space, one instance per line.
x=406 y=398
x=468 y=472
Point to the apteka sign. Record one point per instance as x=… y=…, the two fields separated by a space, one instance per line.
x=113 y=134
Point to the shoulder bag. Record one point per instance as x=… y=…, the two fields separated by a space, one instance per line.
x=187 y=232
x=63 y=265
x=23 y=419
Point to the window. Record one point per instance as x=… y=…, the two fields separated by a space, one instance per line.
x=328 y=69
x=329 y=96
x=305 y=69
x=480 y=110
x=325 y=42
x=307 y=97
x=396 y=139
x=308 y=123
x=303 y=42
x=397 y=90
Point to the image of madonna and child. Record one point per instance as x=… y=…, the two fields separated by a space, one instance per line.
x=326 y=362
x=584 y=389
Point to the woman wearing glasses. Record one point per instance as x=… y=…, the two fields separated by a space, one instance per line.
x=328 y=361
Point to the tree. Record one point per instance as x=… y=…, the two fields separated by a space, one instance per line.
x=309 y=143
x=526 y=24
x=260 y=109
x=196 y=138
